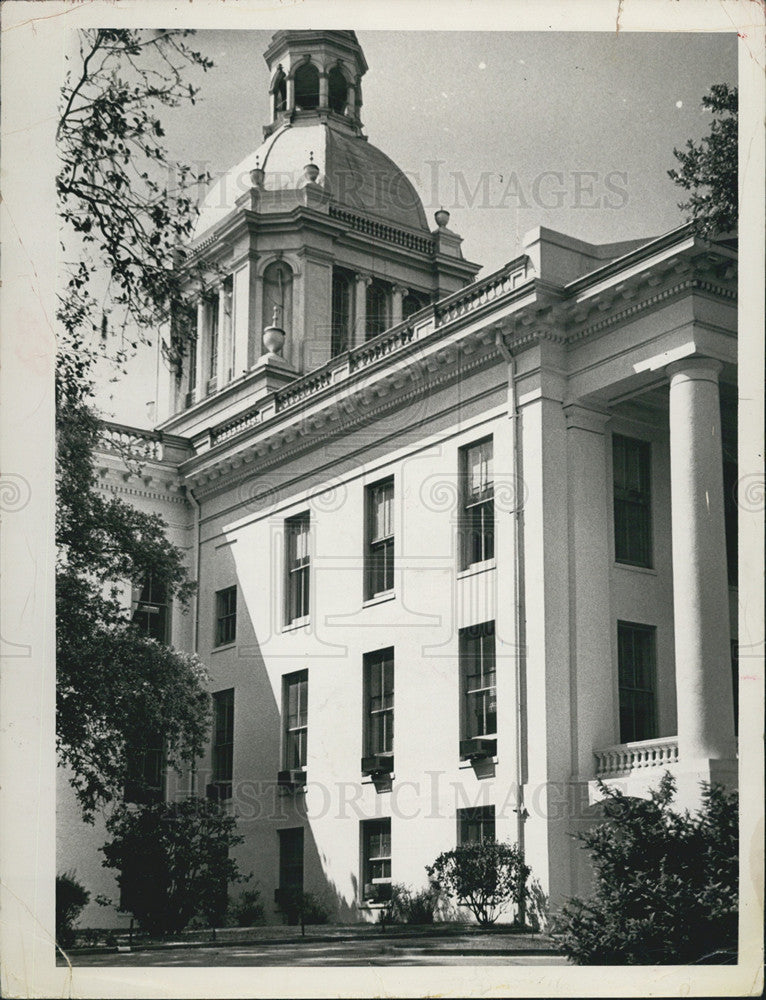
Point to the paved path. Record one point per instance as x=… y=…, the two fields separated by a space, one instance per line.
x=474 y=949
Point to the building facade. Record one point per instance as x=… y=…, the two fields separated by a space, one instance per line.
x=463 y=546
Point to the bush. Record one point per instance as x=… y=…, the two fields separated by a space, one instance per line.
x=71 y=898
x=487 y=877
x=665 y=883
x=173 y=862
x=304 y=908
x=247 y=909
x=408 y=906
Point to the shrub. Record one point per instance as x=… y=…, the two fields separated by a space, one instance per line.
x=408 y=906
x=304 y=908
x=487 y=877
x=665 y=887
x=71 y=898
x=173 y=862
x=247 y=909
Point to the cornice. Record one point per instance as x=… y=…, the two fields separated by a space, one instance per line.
x=145 y=493
x=648 y=302
x=276 y=452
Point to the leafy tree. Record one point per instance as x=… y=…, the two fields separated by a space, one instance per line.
x=665 y=882
x=173 y=862
x=126 y=211
x=71 y=897
x=708 y=169
x=487 y=876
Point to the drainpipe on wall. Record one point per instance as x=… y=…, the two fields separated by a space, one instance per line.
x=517 y=595
x=195 y=611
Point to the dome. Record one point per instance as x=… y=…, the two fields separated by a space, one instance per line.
x=356 y=174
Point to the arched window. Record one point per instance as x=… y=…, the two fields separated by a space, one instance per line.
x=306 y=87
x=412 y=303
x=341 y=312
x=278 y=293
x=280 y=94
x=378 y=298
x=338 y=90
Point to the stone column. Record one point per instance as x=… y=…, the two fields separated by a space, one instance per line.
x=700 y=589
x=290 y=93
x=351 y=101
x=360 y=309
x=324 y=92
x=592 y=671
x=397 y=298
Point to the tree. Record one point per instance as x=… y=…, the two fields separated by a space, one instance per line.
x=665 y=883
x=708 y=169
x=71 y=897
x=173 y=862
x=127 y=210
x=125 y=213
x=486 y=876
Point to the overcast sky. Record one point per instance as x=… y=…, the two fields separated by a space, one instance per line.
x=574 y=131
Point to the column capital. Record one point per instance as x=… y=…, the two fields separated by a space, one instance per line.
x=694 y=369
x=584 y=418
x=399 y=289
x=363 y=277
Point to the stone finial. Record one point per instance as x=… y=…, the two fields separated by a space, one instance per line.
x=256 y=175
x=441 y=217
x=311 y=170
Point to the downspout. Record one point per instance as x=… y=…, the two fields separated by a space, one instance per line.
x=195 y=609
x=517 y=597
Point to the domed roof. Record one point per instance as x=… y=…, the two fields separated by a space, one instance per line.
x=356 y=175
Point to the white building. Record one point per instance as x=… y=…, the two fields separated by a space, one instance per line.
x=461 y=545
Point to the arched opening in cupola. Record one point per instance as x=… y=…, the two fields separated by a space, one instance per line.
x=338 y=90
x=280 y=94
x=306 y=87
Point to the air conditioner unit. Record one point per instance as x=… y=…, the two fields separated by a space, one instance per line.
x=291 y=779
x=378 y=763
x=477 y=748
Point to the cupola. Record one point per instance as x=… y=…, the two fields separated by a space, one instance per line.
x=314 y=72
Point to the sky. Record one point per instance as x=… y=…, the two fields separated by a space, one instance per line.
x=507 y=130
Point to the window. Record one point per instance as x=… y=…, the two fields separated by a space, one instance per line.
x=730 y=517
x=145 y=780
x=379 y=702
x=306 y=87
x=376 y=847
x=341 y=312
x=380 y=539
x=212 y=312
x=223 y=742
x=192 y=371
x=152 y=614
x=636 y=667
x=225 y=616
x=478 y=504
x=298 y=567
x=475 y=825
x=290 y=861
x=378 y=297
x=295 y=714
x=477 y=661
x=337 y=89
x=228 y=328
x=412 y=303
x=631 y=460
